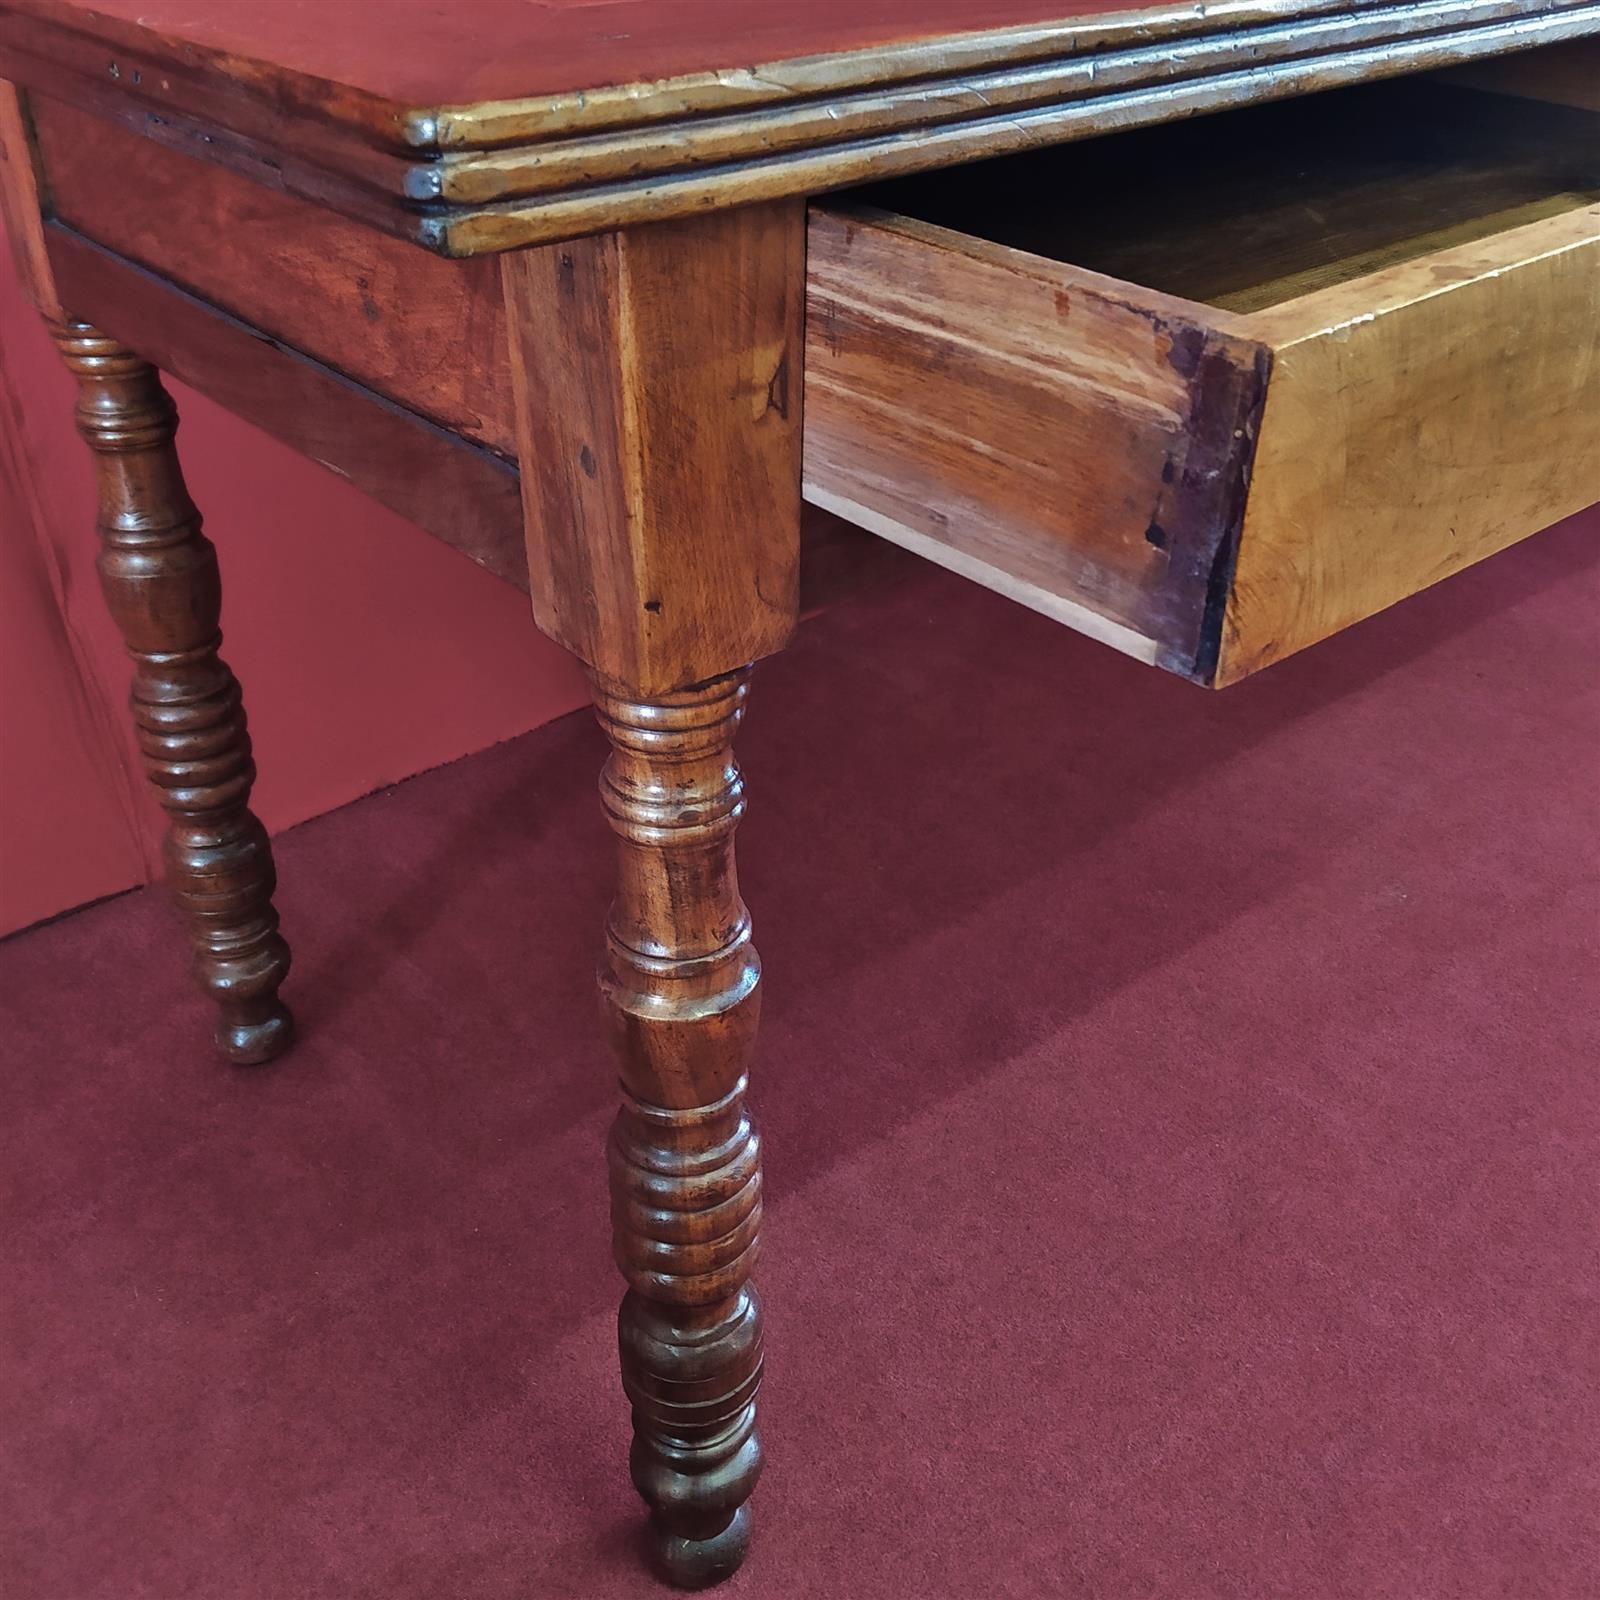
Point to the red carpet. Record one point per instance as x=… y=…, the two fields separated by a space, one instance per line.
x=1183 y=1116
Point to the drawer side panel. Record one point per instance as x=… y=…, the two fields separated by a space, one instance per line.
x=1045 y=431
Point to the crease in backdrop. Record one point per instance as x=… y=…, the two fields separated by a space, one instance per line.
x=367 y=650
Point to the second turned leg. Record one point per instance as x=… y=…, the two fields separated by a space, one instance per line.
x=680 y=991
x=159 y=574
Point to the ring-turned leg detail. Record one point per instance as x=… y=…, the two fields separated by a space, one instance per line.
x=680 y=992
x=159 y=574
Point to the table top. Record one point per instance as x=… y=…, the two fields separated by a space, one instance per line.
x=481 y=125
x=452 y=52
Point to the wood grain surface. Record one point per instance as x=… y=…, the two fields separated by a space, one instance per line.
x=159 y=574
x=1407 y=279
x=421 y=53
x=654 y=549
x=1080 y=100
x=662 y=504
x=1072 y=441
x=490 y=126
x=457 y=490
x=461 y=492
x=425 y=332
x=1418 y=420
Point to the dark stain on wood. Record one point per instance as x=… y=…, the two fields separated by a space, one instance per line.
x=1251 y=399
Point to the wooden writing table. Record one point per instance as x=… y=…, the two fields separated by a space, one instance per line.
x=545 y=278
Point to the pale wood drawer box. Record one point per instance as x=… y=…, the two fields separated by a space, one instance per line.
x=1214 y=390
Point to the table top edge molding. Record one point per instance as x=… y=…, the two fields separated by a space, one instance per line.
x=648 y=195
x=484 y=177
x=493 y=124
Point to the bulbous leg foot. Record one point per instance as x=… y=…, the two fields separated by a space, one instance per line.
x=256 y=1042
x=699 y=1563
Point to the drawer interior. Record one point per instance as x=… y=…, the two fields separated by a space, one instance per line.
x=1251 y=208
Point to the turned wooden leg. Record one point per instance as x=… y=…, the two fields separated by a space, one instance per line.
x=159 y=574
x=680 y=989
x=658 y=387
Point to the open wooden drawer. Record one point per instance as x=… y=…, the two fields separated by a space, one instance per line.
x=1214 y=390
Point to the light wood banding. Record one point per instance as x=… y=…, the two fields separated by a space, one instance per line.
x=1418 y=420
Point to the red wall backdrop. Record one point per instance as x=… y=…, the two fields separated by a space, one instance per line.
x=367 y=650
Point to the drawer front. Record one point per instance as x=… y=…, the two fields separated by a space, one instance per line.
x=1302 y=395
x=1416 y=422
